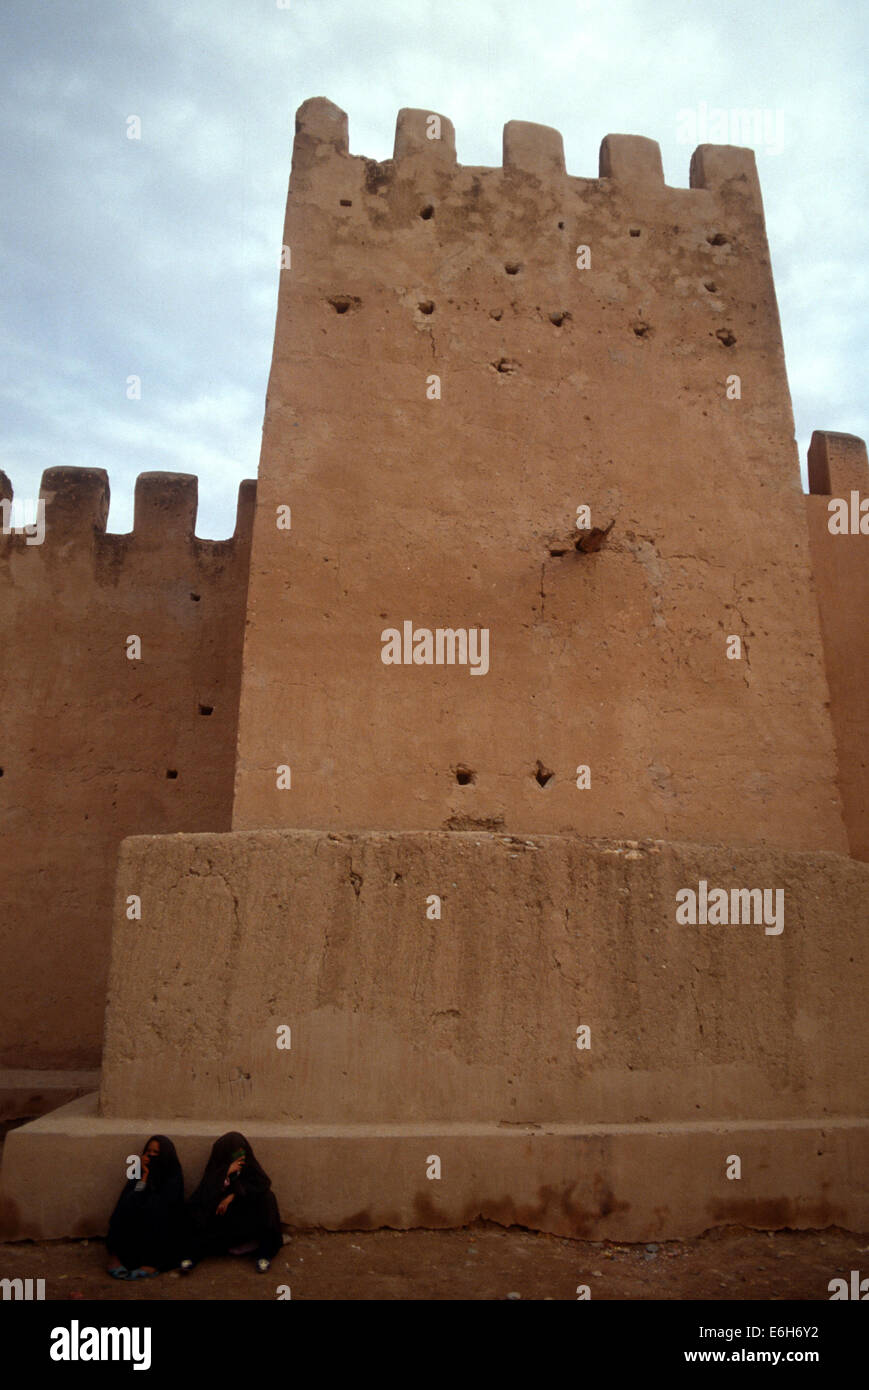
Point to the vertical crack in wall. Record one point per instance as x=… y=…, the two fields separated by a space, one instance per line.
x=737 y=599
x=356 y=879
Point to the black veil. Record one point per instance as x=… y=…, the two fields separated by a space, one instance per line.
x=250 y=1181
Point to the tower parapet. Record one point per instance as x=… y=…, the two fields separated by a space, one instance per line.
x=426 y=140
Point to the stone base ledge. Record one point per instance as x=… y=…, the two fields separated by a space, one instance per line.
x=26 y=1093
x=61 y=1175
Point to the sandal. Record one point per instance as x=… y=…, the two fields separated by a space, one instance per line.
x=120 y=1272
x=144 y=1273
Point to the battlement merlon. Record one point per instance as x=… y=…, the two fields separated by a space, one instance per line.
x=838 y=464
x=165 y=507
x=631 y=162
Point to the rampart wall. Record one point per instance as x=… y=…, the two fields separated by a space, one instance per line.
x=96 y=746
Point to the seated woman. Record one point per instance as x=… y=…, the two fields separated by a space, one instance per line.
x=233 y=1210
x=147 y=1224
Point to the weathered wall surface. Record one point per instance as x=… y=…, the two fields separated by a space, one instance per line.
x=837 y=468
x=559 y=387
x=90 y=736
x=396 y=1017
x=448 y=386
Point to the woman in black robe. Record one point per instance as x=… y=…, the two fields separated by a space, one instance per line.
x=233 y=1210
x=147 y=1225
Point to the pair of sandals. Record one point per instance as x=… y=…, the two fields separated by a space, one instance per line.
x=123 y=1273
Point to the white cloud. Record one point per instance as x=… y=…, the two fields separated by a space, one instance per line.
x=157 y=257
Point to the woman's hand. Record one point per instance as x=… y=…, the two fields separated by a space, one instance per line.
x=224 y=1203
x=235 y=1167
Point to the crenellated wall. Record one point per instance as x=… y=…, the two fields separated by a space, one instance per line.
x=95 y=746
x=463 y=357
x=603 y=377
x=558 y=385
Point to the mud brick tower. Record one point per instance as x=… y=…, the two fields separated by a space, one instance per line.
x=541 y=633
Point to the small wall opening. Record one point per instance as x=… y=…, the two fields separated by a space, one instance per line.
x=206 y=709
x=719 y=239
x=427 y=212
x=426 y=306
x=195 y=597
x=512 y=267
x=465 y=776
x=171 y=773
x=543 y=775
x=346 y=202
x=725 y=337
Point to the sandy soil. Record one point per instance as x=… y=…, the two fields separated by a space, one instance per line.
x=480 y=1262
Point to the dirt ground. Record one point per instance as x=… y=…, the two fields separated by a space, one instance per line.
x=479 y=1262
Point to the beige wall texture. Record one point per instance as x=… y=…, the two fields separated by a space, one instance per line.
x=838 y=470
x=609 y=386
x=398 y=1015
x=89 y=735
x=460 y=949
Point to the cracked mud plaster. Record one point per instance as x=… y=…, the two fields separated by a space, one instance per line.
x=535 y=919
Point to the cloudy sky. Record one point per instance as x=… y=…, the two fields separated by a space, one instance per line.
x=158 y=257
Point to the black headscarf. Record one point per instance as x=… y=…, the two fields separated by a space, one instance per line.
x=250 y=1181
x=145 y=1223
x=165 y=1169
